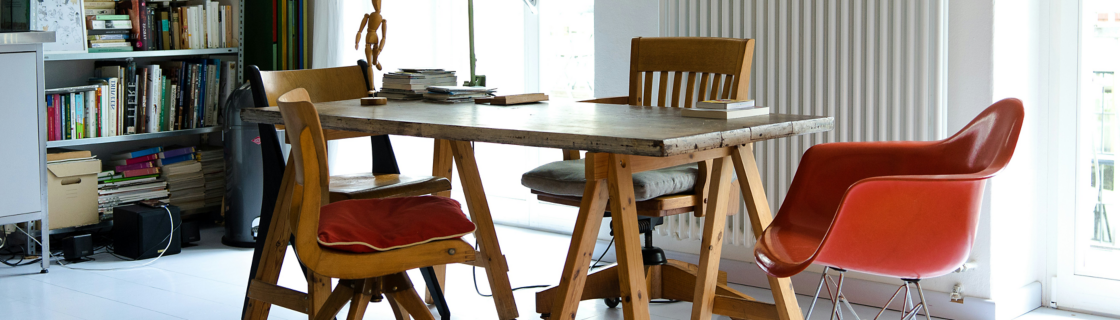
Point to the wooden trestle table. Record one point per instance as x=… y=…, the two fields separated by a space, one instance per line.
x=620 y=140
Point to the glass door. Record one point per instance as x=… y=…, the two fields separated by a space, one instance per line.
x=1088 y=257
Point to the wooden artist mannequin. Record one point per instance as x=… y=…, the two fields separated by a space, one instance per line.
x=373 y=48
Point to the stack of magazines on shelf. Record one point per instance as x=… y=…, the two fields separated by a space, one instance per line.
x=412 y=84
x=455 y=94
x=213 y=170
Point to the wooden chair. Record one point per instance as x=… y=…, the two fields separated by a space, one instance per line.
x=363 y=275
x=385 y=180
x=685 y=70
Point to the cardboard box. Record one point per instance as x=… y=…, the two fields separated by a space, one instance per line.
x=72 y=193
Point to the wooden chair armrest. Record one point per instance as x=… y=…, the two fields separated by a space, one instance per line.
x=611 y=100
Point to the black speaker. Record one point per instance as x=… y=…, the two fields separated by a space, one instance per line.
x=190 y=233
x=141 y=232
x=77 y=247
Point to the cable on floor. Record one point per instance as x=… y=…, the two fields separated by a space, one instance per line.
x=474 y=277
x=169 y=238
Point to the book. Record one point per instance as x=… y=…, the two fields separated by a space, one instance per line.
x=94 y=12
x=138 y=153
x=725 y=104
x=99 y=5
x=456 y=89
x=104 y=37
x=141 y=172
x=174 y=160
x=118 y=44
x=65 y=154
x=110 y=49
x=165 y=29
x=141 y=159
x=724 y=114
x=142 y=165
x=111 y=17
x=108 y=24
x=131 y=179
x=404 y=86
x=108 y=32
x=176 y=152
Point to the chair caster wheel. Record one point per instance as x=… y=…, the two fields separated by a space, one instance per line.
x=612 y=302
x=44 y=271
x=545 y=316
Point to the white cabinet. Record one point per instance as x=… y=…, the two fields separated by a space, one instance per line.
x=23 y=134
x=20 y=165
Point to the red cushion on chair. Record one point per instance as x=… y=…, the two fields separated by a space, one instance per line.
x=372 y=225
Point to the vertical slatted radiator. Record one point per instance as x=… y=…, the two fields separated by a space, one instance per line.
x=877 y=66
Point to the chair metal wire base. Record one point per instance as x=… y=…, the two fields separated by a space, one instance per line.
x=909 y=309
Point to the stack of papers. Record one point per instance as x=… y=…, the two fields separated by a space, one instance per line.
x=454 y=94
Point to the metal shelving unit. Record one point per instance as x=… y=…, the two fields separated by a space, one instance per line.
x=138 y=54
x=130 y=137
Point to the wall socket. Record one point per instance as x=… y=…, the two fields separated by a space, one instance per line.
x=957 y=296
x=9 y=228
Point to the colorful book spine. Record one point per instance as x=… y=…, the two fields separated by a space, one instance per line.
x=174 y=160
x=141 y=172
x=142 y=165
x=142 y=159
x=141 y=153
x=176 y=152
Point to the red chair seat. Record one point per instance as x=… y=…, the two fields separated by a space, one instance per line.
x=371 y=225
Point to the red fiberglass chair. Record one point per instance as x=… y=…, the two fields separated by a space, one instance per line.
x=855 y=206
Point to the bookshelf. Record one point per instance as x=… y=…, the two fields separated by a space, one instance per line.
x=73 y=69
x=139 y=54
x=130 y=137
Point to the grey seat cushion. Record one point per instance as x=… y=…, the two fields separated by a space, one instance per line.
x=566 y=178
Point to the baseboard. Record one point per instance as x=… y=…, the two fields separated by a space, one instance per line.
x=860 y=291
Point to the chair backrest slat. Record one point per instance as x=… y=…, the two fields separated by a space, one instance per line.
x=677 y=88
x=647 y=95
x=690 y=91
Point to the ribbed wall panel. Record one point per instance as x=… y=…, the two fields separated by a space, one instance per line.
x=877 y=66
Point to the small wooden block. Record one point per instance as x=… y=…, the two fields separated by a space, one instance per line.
x=374 y=101
x=518 y=99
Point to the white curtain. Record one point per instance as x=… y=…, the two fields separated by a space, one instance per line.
x=334 y=26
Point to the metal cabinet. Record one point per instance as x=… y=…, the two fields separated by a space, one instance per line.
x=23 y=134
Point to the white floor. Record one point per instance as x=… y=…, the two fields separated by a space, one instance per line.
x=208 y=282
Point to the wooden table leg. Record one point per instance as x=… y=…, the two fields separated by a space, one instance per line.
x=624 y=218
x=582 y=247
x=758 y=209
x=489 y=252
x=711 y=245
x=277 y=237
x=441 y=167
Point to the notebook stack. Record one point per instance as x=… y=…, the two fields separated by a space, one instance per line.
x=185 y=180
x=724 y=109
x=214 y=174
x=455 y=94
x=411 y=84
x=134 y=176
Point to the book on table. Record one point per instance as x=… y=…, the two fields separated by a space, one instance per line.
x=724 y=114
x=725 y=104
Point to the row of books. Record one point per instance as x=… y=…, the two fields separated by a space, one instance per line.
x=174 y=175
x=128 y=25
x=124 y=98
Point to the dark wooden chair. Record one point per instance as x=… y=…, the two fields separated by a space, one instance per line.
x=686 y=70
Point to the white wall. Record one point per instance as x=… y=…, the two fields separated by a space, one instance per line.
x=1018 y=194
x=616 y=22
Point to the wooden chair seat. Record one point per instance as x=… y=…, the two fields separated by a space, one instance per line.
x=340 y=264
x=662 y=206
x=375 y=186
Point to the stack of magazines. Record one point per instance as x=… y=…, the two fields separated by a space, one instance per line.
x=454 y=94
x=411 y=84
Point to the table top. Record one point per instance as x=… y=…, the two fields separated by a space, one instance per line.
x=610 y=128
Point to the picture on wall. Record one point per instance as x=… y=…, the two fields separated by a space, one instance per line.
x=64 y=17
